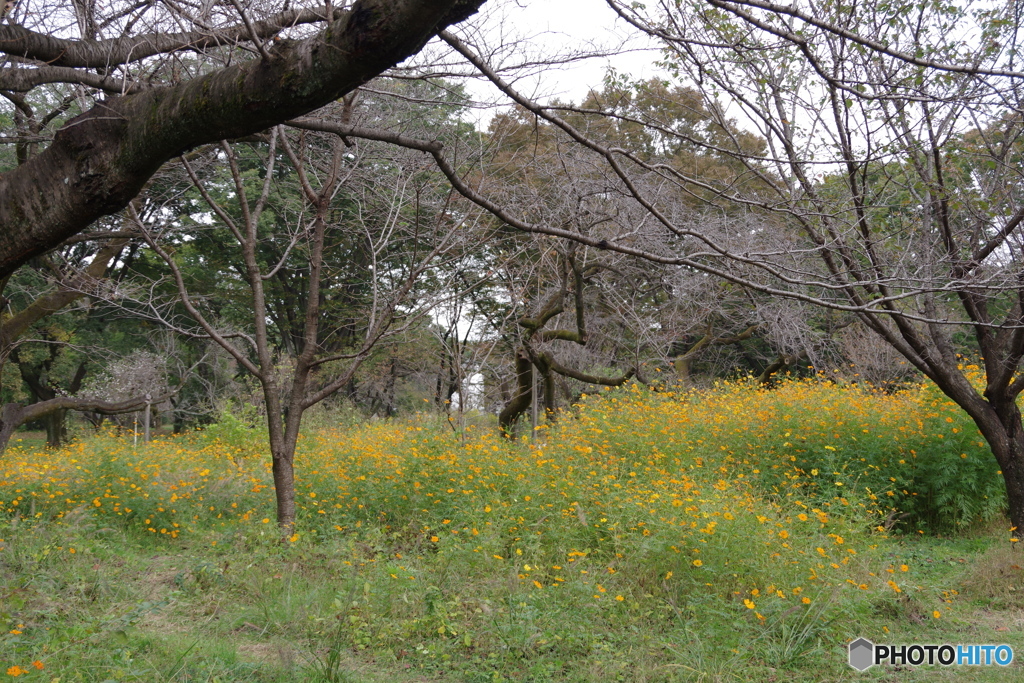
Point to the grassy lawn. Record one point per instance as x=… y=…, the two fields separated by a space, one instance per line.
x=729 y=536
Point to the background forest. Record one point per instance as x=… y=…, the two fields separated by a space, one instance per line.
x=422 y=296
x=769 y=204
x=743 y=339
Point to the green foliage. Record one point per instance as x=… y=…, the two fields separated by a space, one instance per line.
x=954 y=479
x=909 y=459
x=242 y=428
x=636 y=538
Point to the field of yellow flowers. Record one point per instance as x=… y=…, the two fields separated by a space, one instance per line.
x=714 y=535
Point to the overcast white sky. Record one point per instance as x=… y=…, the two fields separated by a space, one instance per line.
x=558 y=26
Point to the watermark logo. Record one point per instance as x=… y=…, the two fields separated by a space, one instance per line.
x=864 y=654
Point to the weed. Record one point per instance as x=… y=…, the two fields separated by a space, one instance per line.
x=727 y=535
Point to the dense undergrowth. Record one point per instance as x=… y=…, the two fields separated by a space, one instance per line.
x=644 y=536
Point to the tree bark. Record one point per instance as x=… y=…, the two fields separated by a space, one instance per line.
x=1012 y=465
x=13 y=415
x=13 y=327
x=56 y=428
x=684 y=361
x=102 y=158
x=389 y=389
x=284 y=487
x=999 y=420
x=520 y=402
x=781 y=363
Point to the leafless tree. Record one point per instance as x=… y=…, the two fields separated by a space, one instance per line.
x=339 y=202
x=538 y=332
x=128 y=86
x=67 y=283
x=887 y=187
x=140 y=374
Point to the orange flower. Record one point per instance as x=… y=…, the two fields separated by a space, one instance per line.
x=38 y=664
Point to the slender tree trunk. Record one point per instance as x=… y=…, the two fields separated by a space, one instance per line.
x=442 y=372
x=179 y=421
x=550 y=403
x=284 y=487
x=282 y=453
x=389 y=390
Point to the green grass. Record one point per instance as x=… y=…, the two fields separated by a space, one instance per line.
x=253 y=610
x=591 y=557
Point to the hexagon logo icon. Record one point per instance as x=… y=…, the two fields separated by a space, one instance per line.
x=862 y=654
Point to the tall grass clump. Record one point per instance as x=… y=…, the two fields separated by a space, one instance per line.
x=909 y=458
x=709 y=527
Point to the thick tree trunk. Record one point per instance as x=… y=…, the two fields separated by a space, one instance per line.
x=550 y=405
x=684 y=361
x=546 y=390
x=178 y=419
x=56 y=428
x=8 y=423
x=781 y=363
x=1013 y=477
x=1001 y=426
x=520 y=402
x=682 y=365
x=99 y=161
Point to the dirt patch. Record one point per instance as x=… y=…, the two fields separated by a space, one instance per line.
x=1001 y=621
x=273 y=654
x=996 y=576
